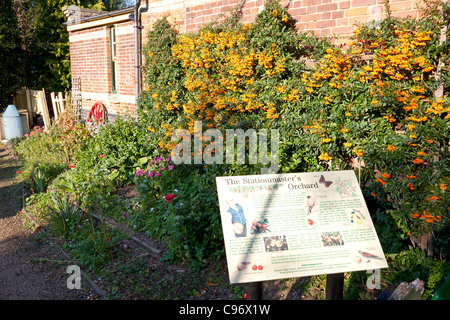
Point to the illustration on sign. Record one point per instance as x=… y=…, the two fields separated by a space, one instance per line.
x=295 y=225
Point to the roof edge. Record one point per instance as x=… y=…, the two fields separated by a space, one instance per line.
x=76 y=15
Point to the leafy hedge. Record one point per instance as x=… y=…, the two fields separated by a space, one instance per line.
x=370 y=105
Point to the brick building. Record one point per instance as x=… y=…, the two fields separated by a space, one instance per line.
x=105 y=46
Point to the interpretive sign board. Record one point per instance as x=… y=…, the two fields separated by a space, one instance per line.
x=295 y=225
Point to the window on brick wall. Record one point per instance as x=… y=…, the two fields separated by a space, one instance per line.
x=113 y=45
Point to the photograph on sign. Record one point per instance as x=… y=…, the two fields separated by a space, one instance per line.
x=295 y=225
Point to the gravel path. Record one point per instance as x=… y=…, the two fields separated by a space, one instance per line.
x=30 y=268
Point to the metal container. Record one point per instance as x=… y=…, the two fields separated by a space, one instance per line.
x=12 y=123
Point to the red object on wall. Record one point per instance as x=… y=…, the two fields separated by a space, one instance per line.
x=98 y=113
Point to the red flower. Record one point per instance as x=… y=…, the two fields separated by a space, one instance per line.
x=71 y=166
x=18 y=172
x=100 y=155
x=169 y=197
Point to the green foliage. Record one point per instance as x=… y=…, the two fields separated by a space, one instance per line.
x=94 y=245
x=9 y=54
x=66 y=216
x=40 y=153
x=40 y=56
x=117 y=147
x=189 y=224
x=411 y=264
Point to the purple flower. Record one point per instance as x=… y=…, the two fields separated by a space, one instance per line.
x=125 y=214
x=161 y=169
x=170 y=167
x=167 y=159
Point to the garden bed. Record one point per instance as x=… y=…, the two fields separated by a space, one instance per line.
x=234 y=76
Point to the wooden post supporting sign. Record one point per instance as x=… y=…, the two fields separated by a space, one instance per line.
x=334 y=286
x=255 y=290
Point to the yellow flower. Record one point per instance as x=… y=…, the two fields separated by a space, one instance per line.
x=326 y=140
x=344 y=130
x=325 y=156
x=358 y=152
x=272 y=113
x=443 y=186
x=347 y=144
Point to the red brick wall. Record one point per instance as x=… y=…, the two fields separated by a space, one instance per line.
x=125 y=59
x=90 y=61
x=323 y=17
x=88 y=58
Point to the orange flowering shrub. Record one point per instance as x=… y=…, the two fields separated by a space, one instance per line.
x=370 y=105
x=223 y=75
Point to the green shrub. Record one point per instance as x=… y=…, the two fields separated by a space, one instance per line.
x=347 y=111
x=189 y=224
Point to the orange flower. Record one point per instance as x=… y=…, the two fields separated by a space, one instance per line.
x=420 y=153
x=432 y=198
x=386 y=175
x=344 y=130
x=443 y=186
x=411 y=177
x=410 y=186
x=359 y=152
x=418 y=161
x=415 y=215
x=391 y=148
x=381 y=181
x=325 y=156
